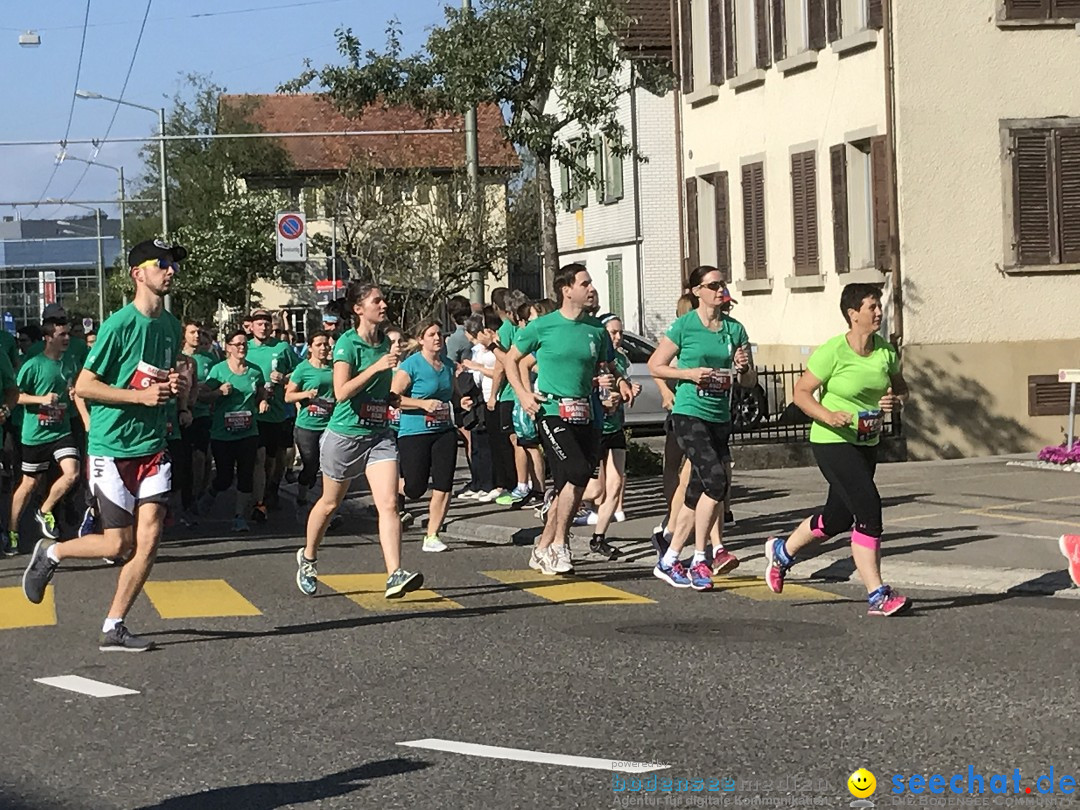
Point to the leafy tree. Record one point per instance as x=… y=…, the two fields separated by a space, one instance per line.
x=522 y=55
x=227 y=228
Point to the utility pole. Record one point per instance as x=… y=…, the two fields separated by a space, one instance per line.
x=164 y=190
x=472 y=164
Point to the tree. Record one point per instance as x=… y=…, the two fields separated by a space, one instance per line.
x=522 y=55
x=227 y=228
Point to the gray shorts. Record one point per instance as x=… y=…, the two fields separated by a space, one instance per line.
x=343 y=458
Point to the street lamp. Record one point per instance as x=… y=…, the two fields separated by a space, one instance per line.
x=60 y=158
x=161 y=159
x=100 y=254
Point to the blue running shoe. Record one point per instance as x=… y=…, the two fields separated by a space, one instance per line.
x=675 y=576
x=89 y=522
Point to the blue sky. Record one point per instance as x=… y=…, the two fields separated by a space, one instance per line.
x=247 y=46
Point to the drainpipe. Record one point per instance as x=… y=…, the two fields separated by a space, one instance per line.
x=676 y=61
x=894 y=194
x=638 y=248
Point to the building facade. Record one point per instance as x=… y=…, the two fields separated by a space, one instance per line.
x=930 y=148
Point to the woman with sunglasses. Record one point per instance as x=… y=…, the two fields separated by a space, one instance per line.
x=427 y=439
x=238 y=394
x=713 y=354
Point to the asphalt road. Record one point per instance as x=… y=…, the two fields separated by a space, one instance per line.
x=305 y=702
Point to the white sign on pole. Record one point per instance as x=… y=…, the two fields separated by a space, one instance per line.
x=291 y=237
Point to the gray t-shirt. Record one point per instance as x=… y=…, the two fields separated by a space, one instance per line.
x=458 y=346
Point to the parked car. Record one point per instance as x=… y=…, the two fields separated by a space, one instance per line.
x=750 y=406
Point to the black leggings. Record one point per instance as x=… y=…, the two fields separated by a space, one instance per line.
x=427 y=456
x=238 y=455
x=500 y=424
x=853 y=502
x=307 y=442
x=480 y=463
x=705 y=445
x=182 y=472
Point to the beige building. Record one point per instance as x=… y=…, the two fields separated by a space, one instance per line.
x=929 y=147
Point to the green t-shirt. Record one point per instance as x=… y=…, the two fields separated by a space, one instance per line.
x=9 y=347
x=77 y=351
x=700 y=347
x=364 y=414
x=131 y=351
x=203 y=363
x=506 y=334
x=235 y=413
x=613 y=422
x=274 y=355
x=567 y=354
x=854 y=384
x=315 y=413
x=42 y=375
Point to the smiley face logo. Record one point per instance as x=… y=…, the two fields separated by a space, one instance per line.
x=862 y=784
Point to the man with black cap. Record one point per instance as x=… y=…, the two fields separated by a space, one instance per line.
x=129 y=377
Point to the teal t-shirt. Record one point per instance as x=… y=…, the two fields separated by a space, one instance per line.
x=506 y=334
x=235 y=413
x=567 y=356
x=427 y=382
x=314 y=414
x=853 y=383
x=274 y=355
x=203 y=361
x=700 y=347
x=41 y=375
x=131 y=351
x=364 y=414
x=614 y=421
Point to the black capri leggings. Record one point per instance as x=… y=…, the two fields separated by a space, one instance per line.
x=236 y=456
x=427 y=456
x=853 y=501
x=705 y=445
x=307 y=442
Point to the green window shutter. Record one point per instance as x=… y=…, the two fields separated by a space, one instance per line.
x=615 y=285
x=598 y=168
x=581 y=195
x=564 y=181
x=614 y=178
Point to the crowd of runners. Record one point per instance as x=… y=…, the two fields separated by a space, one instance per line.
x=150 y=420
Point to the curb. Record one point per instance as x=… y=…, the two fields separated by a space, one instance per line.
x=1045 y=465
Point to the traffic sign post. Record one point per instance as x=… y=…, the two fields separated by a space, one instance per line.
x=291 y=232
x=1071 y=376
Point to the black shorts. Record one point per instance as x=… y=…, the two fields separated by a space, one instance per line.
x=197 y=435
x=36 y=458
x=276 y=437
x=612 y=441
x=572 y=450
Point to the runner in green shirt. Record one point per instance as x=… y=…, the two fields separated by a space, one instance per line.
x=858 y=375
x=129 y=376
x=45 y=383
x=311 y=387
x=196 y=434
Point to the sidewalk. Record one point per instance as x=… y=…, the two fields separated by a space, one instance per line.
x=984 y=525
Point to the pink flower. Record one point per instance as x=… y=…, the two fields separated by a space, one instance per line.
x=1061 y=454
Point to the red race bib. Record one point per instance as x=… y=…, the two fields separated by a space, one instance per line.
x=237 y=421
x=373 y=414
x=440 y=417
x=575 y=411
x=146 y=375
x=717 y=383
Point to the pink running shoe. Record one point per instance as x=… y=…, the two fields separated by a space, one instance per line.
x=701 y=577
x=723 y=562
x=774 y=570
x=890 y=604
x=1070 y=547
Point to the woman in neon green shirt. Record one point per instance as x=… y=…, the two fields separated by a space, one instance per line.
x=858 y=374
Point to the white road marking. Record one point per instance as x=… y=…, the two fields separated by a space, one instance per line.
x=86 y=686
x=522 y=755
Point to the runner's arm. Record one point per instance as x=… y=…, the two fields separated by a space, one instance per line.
x=347 y=386
x=90 y=387
x=805 y=388
x=402 y=383
x=293 y=394
x=660 y=363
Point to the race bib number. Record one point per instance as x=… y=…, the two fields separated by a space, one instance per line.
x=717 y=383
x=146 y=375
x=237 y=421
x=320 y=407
x=869 y=425
x=440 y=417
x=575 y=411
x=393 y=416
x=373 y=414
x=49 y=415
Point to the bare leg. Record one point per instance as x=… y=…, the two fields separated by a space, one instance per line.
x=613 y=473
x=868 y=563
x=564 y=510
x=382 y=481
x=20 y=498
x=521 y=461
x=69 y=474
x=440 y=503
x=536 y=468
x=149 y=521
x=333 y=493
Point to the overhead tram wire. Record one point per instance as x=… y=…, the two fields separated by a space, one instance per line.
x=237 y=135
x=71 y=112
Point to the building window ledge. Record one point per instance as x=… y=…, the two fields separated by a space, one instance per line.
x=744 y=81
x=800 y=61
x=1057 y=22
x=805 y=282
x=750 y=286
x=709 y=92
x=864 y=275
x=1042 y=269
x=859 y=41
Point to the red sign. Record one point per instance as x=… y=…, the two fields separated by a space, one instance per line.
x=328 y=285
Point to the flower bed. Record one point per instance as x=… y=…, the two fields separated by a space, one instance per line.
x=1061 y=454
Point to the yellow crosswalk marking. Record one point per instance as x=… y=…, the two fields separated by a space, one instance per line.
x=567 y=590
x=754 y=588
x=198 y=599
x=15 y=611
x=368 y=591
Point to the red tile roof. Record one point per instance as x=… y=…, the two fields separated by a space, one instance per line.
x=314 y=113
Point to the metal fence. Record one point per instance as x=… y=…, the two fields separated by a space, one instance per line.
x=767 y=414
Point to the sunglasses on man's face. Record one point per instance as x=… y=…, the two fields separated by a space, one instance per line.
x=161 y=264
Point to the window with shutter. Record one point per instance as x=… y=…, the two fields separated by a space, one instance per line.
x=835 y=23
x=564 y=182
x=1027 y=9
x=841 y=243
x=815 y=24
x=716 y=41
x=722 y=210
x=875 y=14
x=686 y=46
x=599 y=169
x=613 y=177
x=615 y=285
x=731 y=47
x=1065 y=9
x=804 y=212
x=581 y=190
x=693 y=250
x=753 y=188
x=779 y=30
x=1068 y=183
x=761 y=34
x=879 y=173
x=1032 y=198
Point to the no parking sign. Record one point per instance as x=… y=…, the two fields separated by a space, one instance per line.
x=291 y=237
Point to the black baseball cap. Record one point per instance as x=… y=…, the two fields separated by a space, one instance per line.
x=155 y=249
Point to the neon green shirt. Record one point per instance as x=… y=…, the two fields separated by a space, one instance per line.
x=854 y=384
